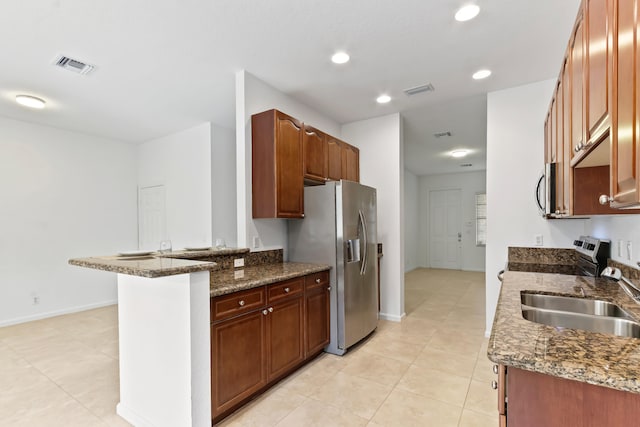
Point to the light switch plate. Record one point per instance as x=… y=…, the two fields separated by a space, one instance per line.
x=256 y=242
x=538 y=240
x=629 y=250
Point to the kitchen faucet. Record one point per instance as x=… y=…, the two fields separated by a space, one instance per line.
x=626 y=285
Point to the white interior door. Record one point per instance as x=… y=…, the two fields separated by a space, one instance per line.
x=445 y=229
x=152 y=217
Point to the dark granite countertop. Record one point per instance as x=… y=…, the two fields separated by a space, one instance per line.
x=151 y=265
x=594 y=358
x=228 y=281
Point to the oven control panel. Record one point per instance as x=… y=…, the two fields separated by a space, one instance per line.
x=597 y=250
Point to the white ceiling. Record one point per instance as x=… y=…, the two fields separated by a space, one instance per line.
x=166 y=65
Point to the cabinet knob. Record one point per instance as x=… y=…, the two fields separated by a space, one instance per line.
x=241 y=303
x=495 y=369
x=265 y=312
x=329 y=287
x=302 y=216
x=286 y=290
x=494 y=384
x=318 y=280
x=604 y=199
x=270 y=309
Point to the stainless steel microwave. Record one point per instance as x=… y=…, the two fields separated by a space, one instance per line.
x=546 y=191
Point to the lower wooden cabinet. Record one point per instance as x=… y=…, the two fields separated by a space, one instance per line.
x=285 y=336
x=317 y=313
x=253 y=346
x=535 y=399
x=238 y=350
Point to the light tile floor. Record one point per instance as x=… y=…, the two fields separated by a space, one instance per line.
x=429 y=370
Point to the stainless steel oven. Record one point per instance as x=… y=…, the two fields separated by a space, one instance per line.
x=592 y=255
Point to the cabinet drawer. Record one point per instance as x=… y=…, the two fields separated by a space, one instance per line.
x=316 y=280
x=226 y=306
x=281 y=290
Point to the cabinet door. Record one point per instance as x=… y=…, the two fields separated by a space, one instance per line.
x=577 y=76
x=285 y=336
x=290 y=186
x=334 y=159
x=567 y=150
x=624 y=154
x=350 y=162
x=317 y=320
x=314 y=146
x=238 y=351
x=597 y=62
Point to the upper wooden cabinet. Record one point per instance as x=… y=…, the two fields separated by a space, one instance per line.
x=350 y=162
x=278 y=188
x=577 y=80
x=598 y=63
x=564 y=128
x=314 y=147
x=624 y=135
x=334 y=158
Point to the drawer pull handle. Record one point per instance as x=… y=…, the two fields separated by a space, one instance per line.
x=318 y=280
x=286 y=290
x=270 y=309
x=494 y=385
x=265 y=312
x=241 y=303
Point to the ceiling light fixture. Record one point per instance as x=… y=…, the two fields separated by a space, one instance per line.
x=340 y=58
x=481 y=74
x=30 y=101
x=468 y=12
x=383 y=99
x=459 y=153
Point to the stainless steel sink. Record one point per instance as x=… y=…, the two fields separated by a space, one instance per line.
x=574 y=305
x=588 y=322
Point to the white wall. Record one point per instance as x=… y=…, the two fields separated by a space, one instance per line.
x=381 y=166
x=64 y=195
x=616 y=228
x=470 y=184
x=411 y=222
x=515 y=145
x=223 y=185
x=254 y=96
x=182 y=163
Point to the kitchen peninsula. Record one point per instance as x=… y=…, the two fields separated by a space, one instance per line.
x=164 y=320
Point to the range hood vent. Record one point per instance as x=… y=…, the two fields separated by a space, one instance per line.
x=72 y=64
x=419 y=89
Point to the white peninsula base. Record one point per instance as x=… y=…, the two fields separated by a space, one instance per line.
x=165 y=368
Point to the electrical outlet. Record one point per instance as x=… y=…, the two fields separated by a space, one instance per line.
x=629 y=250
x=256 y=242
x=538 y=240
x=238 y=262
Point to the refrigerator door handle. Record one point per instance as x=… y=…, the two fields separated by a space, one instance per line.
x=363 y=221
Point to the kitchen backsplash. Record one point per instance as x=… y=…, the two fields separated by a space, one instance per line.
x=542 y=260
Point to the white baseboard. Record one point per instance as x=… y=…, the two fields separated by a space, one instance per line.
x=391 y=317
x=131 y=416
x=38 y=316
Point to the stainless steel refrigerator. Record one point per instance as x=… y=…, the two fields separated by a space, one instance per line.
x=340 y=229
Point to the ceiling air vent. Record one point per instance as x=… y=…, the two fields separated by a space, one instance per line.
x=442 y=134
x=466 y=165
x=72 y=64
x=419 y=89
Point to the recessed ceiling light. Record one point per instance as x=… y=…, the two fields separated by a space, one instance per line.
x=459 y=153
x=340 y=58
x=468 y=12
x=481 y=74
x=30 y=101
x=383 y=99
